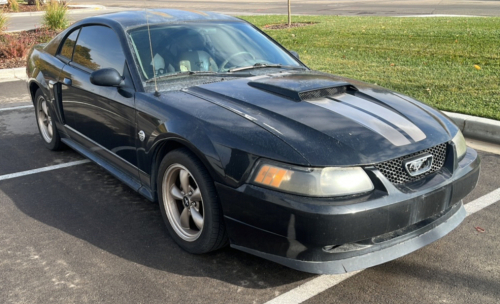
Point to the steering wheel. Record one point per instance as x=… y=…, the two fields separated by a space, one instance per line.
x=223 y=65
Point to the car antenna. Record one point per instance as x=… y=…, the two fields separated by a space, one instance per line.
x=157 y=94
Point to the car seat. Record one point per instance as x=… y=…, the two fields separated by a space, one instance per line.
x=192 y=55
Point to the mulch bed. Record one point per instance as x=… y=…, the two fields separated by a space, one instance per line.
x=12 y=63
x=26 y=40
x=281 y=26
x=22 y=8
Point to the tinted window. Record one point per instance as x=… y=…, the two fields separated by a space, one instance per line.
x=98 y=47
x=69 y=44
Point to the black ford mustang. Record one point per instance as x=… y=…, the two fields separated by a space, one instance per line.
x=242 y=144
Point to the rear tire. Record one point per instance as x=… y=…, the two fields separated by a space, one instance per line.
x=189 y=203
x=45 y=122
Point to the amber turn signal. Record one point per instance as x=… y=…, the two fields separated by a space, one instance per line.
x=271 y=176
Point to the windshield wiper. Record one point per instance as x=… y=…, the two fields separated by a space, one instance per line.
x=197 y=73
x=185 y=73
x=266 y=65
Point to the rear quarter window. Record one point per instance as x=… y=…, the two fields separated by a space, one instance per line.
x=53 y=45
x=69 y=45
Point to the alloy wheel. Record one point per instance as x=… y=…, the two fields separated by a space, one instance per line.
x=183 y=202
x=44 y=119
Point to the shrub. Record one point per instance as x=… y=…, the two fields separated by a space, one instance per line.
x=56 y=16
x=14 y=5
x=18 y=45
x=14 y=47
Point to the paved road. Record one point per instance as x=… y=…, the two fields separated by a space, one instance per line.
x=326 y=7
x=306 y=7
x=78 y=235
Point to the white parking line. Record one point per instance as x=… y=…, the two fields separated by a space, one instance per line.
x=311 y=288
x=321 y=283
x=44 y=169
x=16 y=108
x=483 y=202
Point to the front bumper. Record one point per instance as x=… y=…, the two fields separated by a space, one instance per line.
x=342 y=235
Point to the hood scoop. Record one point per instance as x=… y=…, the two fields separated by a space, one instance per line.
x=299 y=87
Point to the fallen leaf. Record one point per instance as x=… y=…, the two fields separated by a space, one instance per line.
x=479 y=229
x=392 y=64
x=477 y=67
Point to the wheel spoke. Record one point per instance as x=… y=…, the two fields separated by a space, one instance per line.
x=49 y=129
x=176 y=193
x=183 y=202
x=197 y=218
x=185 y=218
x=196 y=197
x=44 y=108
x=184 y=177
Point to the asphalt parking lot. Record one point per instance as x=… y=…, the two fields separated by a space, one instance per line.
x=78 y=235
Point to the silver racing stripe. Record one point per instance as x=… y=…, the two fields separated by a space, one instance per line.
x=367 y=120
x=396 y=119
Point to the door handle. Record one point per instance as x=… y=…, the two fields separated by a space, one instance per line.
x=67 y=81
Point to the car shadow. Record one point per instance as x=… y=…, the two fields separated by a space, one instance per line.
x=88 y=203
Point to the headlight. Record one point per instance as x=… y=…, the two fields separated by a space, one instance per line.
x=319 y=182
x=460 y=146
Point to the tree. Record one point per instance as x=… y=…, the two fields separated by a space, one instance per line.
x=289 y=14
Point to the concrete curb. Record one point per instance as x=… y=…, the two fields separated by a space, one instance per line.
x=86 y=9
x=13 y=74
x=477 y=127
x=471 y=126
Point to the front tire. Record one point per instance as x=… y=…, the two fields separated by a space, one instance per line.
x=189 y=203
x=45 y=122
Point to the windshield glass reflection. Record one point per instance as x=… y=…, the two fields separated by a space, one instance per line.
x=203 y=47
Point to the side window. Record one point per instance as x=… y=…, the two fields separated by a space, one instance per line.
x=69 y=45
x=98 y=47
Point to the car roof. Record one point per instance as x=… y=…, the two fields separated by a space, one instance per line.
x=130 y=19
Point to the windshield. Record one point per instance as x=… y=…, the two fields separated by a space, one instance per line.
x=203 y=47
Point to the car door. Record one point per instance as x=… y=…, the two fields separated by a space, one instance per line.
x=102 y=119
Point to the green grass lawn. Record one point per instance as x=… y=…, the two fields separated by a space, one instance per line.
x=431 y=59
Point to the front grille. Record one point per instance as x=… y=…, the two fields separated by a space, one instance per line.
x=308 y=95
x=395 y=172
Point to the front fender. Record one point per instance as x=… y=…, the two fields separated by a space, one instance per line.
x=166 y=129
x=225 y=142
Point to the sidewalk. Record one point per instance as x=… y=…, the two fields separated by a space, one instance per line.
x=30 y=20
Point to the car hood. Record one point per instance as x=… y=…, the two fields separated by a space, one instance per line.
x=330 y=120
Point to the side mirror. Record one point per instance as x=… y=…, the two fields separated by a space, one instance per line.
x=108 y=77
x=295 y=54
